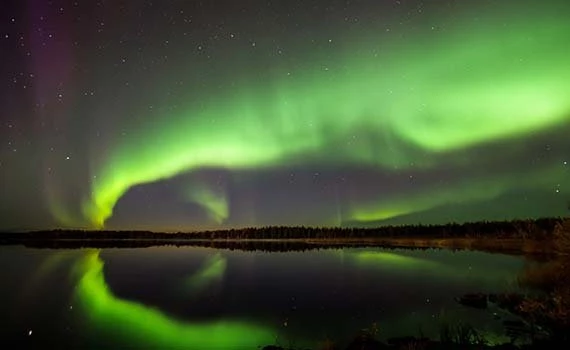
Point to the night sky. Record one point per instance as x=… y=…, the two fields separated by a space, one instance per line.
x=182 y=115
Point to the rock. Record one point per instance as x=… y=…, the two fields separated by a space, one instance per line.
x=516 y=329
x=408 y=342
x=509 y=301
x=476 y=300
x=506 y=346
x=366 y=343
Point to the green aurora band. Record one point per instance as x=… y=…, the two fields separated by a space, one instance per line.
x=214 y=202
x=149 y=327
x=135 y=324
x=484 y=189
x=404 y=262
x=211 y=272
x=417 y=101
x=393 y=260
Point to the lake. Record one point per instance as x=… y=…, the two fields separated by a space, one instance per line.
x=206 y=298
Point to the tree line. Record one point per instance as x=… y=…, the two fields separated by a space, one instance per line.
x=536 y=229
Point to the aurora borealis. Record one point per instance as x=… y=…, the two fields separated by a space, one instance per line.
x=146 y=326
x=141 y=298
x=186 y=114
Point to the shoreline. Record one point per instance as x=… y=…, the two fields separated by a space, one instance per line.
x=519 y=236
x=512 y=246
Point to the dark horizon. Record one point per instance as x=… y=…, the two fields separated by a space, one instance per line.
x=547 y=224
x=313 y=227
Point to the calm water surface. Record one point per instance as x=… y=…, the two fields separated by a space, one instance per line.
x=203 y=298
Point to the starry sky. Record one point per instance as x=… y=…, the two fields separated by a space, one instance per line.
x=183 y=115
